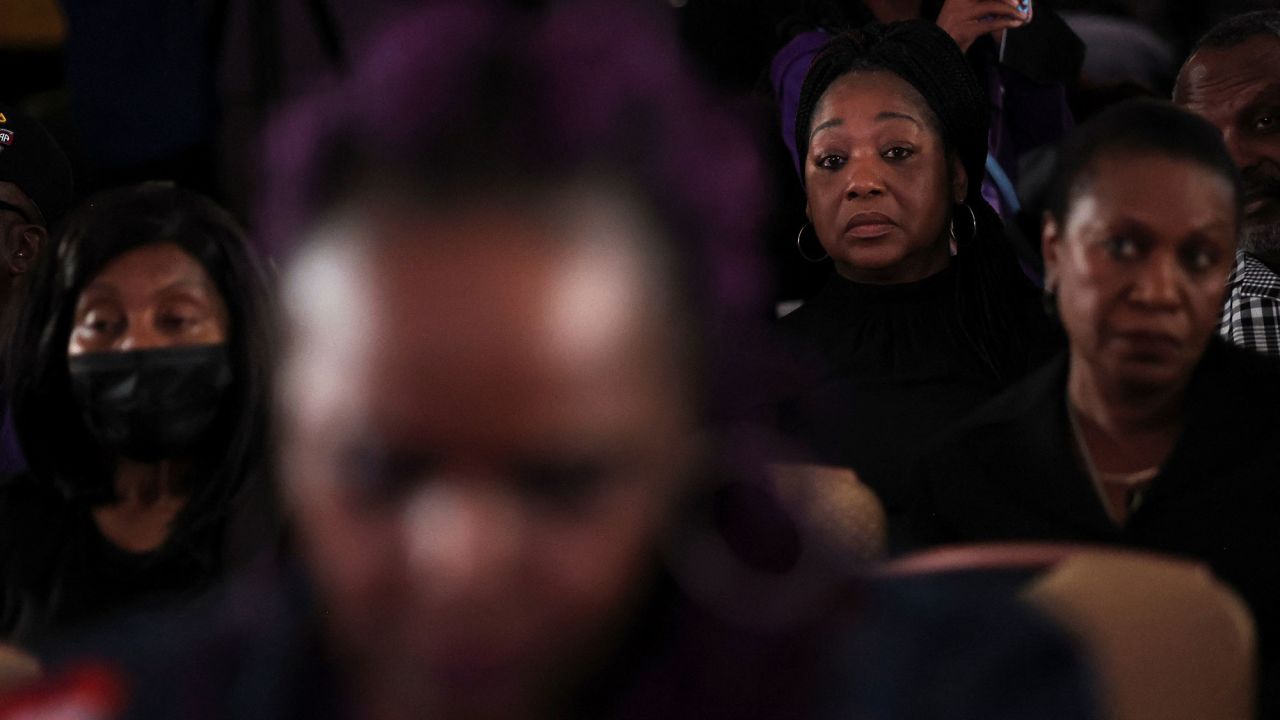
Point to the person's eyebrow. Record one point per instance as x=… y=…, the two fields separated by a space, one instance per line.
x=185 y=286
x=880 y=117
x=892 y=115
x=833 y=122
x=1268 y=97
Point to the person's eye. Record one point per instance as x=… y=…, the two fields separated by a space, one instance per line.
x=379 y=476
x=897 y=152
x=561 y=485
x=1199 y=259
x=830 y=161
x=1122 y=247
x=1265 y=122
x=100 y=323
x=176 y=322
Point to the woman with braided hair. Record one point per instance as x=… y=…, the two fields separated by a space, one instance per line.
x=1025 y=86
x=927 y=313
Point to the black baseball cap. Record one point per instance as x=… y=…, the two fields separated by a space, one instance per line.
x=31 y=159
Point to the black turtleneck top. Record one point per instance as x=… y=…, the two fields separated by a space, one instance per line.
x=885 y=368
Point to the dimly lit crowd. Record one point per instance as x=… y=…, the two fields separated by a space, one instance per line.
x=492 y=404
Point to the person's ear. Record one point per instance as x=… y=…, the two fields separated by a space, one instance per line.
x=23 y=245
x=959 y=180
x=1050 y=246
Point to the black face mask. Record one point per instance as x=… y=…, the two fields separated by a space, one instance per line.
x=150 y=405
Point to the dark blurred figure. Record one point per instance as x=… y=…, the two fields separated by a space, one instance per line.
x=141 y=85
x=1179 y=23
x=927 y=314
x=1151 y=431
x=139 y=397
x=35 y=190
x=516 y=337
x=1233 y=79
x=31 y=37
x=1122 y=54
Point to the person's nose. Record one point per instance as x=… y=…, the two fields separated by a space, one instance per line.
x=864 y=181
x=141 y=334
x=1157 y=284
x=1242 y=147
x=463 y=539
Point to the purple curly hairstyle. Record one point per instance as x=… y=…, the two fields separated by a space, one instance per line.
x=462 y=97
x=460 y=93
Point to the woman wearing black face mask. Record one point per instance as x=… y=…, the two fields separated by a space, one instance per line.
x=139 y=375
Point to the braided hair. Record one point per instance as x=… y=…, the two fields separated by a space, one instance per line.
x=990 y=286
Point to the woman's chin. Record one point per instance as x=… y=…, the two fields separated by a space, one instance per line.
x=1148 y=376
x=872 y=264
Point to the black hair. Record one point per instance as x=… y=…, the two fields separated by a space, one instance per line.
x=1239 y=28
x=49 y=422
x=1143 y=126
x=990 y=285
x=925 y=57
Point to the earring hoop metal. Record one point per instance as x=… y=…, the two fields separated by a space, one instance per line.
x=973 y=218
x=800 y=246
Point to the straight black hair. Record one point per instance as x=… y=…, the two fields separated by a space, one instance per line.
x=49 y=422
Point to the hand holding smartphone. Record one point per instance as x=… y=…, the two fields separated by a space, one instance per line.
x=968 y=20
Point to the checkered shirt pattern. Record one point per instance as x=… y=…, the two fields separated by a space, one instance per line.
x=1251 y=318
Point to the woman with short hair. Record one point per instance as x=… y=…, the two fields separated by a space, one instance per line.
x=1151 y=431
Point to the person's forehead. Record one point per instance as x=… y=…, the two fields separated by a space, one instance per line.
x=143 y=267
x=1223 y=72
x=495 y=337
x=492 y=293
x=850 y=93
x=1170 y=194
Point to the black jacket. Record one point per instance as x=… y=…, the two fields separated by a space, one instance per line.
x=1009 y=472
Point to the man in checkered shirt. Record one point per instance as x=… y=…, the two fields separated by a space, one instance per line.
x=1233 y=79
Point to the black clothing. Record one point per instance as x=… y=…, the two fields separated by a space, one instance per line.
x=894 y=366
x=1011 y=472
x=58 y=573
x=920 y=649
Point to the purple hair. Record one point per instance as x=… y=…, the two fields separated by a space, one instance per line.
x=459 y=96
x=463 y=92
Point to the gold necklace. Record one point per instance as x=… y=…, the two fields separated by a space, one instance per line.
x=1100 y=479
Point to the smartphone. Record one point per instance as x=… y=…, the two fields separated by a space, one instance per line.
x=1024 y=6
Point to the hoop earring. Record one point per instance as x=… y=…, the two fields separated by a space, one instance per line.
x=1049 y=301
x=800 y=246
x=973 y=220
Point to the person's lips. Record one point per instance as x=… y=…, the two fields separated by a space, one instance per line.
x=869 y=225
x=474 y=665
x=1260 y=204
x=1150 y=343
x=1261 y=194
